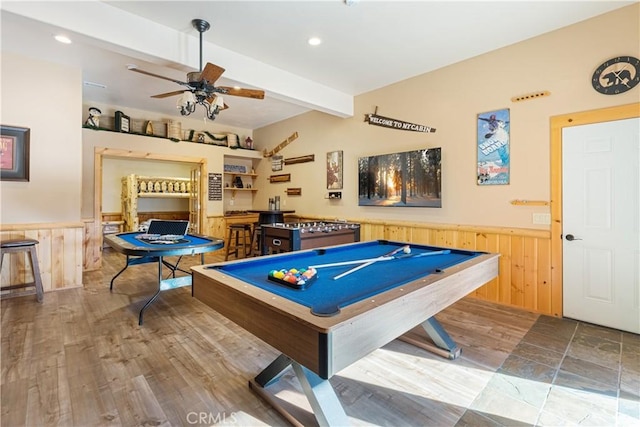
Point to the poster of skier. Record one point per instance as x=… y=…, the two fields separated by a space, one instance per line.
x=493 y=148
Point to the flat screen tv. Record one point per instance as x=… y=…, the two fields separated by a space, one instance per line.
x=408 y=179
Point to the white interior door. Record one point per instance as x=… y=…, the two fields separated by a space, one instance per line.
x=601 y=222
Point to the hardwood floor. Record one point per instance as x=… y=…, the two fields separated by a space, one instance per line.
x=80 y=359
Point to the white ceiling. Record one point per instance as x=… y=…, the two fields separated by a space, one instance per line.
x=263 y=44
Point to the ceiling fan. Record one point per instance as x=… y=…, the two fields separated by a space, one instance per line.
x=200 y=87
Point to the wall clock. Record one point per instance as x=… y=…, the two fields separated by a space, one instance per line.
x=617 y=75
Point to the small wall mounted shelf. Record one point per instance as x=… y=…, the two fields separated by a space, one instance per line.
x=529 y=202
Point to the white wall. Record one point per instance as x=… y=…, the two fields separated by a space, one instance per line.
x=450 y=99
x=47 y=98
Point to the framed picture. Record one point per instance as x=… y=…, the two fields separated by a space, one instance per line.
x=123 y=122
x=14 y=153
x=407 y=179
x=334 y=170
x=493 y=148
x=276 y=163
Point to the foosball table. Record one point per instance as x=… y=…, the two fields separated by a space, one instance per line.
x=295 y=236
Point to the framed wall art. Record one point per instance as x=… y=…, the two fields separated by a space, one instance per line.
x=493 y=148
x=407 y=179
x=14 y=153
x=334 y=170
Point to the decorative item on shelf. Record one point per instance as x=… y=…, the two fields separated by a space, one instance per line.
x=94 y=117
x=235 y=168
x=201 y=138
x=174 y=130
x=233 y=141
x=248 y=143
x=237 y=182
x=149 y=128
x=123 y=122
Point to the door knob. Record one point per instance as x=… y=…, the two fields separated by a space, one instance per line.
x=571 y=238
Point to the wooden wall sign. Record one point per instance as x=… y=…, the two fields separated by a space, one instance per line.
x=301 y=159
x=294 y=191
x=280 y=146
x=374 y=119
x=285 y=177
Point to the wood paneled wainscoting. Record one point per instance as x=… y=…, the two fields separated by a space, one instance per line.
x=524 y=278
x=60 y=254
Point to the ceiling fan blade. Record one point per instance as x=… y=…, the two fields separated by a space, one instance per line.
x=247 y=93
x=211 y=73
x=168 y=94
x=137 y=70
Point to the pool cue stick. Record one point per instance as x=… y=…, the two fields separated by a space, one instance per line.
x=380 y=258
x=366 y=264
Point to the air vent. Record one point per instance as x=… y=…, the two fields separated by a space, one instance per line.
x=530 y=96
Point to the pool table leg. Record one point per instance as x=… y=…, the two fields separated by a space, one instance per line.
x=321 y=396
x=444 y=344
x=323 y=399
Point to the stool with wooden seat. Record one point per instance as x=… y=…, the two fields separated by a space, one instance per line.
x=238 y=232
x=23 y=245
x=256 y=240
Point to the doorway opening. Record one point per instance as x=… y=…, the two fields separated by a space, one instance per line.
x=197 y=163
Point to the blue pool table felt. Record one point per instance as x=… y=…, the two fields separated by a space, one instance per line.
x=326 y=296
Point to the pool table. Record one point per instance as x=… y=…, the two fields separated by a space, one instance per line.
x=141 y=252
x=332 y=323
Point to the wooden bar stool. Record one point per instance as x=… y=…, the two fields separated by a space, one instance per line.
x=23 y=245
x=256 y=240
x=237 y=232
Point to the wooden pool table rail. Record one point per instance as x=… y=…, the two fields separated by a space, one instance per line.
x=326 y=345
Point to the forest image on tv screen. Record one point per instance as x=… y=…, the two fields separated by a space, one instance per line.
x=410 y=179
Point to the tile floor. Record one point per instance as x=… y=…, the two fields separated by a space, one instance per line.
x=564 y=372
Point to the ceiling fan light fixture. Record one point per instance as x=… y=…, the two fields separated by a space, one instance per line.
x=186 y=103
x=314 y=41
x=201 y=89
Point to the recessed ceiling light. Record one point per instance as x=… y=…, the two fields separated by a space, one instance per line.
x=63 y=39
x=314 y=41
